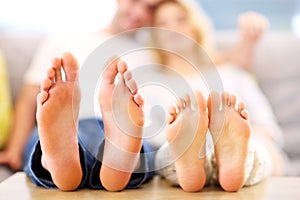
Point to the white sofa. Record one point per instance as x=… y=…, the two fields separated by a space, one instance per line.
x=277 y=68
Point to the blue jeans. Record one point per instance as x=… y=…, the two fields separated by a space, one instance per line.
x=91 y=144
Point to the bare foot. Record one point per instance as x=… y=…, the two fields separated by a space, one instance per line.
x=230 y=130
x=123 y=118
x=186 y=134
x=57 y=117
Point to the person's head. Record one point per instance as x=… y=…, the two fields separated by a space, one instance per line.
x=133 y=14
x=184 y=18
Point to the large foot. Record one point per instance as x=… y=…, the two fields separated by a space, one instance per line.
x=186 y=134
x=230 y=130
x=123 y=118
x=57 y=117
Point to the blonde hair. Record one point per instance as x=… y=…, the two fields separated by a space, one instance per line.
x=200 y=22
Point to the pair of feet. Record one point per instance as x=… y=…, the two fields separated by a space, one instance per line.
x=57 y=117
x=186 y=131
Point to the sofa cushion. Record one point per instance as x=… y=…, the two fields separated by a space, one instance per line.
x=277 y=68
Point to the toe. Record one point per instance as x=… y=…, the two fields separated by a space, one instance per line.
x=70 y=66
x=50 y=73
x=170 y=119
x=179 y=104
x=132 y=86
x=110 y=72
x=46 y=84
x=139 y=100
x=42 y=97
x=58 y=75
x=225 y=99
x=201 y=103
x=122 y=66
x=245 y=114
x=56 y=66
x=172 y=114
x=232 y=100
x=56 y=63
x=172 y=110
x=127 y=75
x=241 y=106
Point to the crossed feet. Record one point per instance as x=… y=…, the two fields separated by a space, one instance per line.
x=230 y=130
x=57 y=118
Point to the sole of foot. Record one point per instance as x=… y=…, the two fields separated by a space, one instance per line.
x=123 y=118
x=230 y=130
x=57 y=117
x=186 y=134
